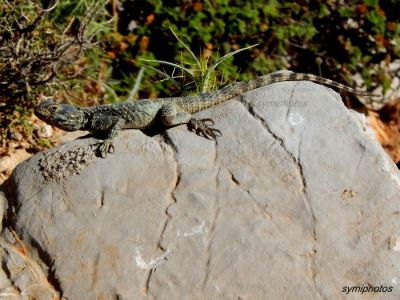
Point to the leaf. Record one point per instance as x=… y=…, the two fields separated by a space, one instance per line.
x=186 y=47
x=164 y=74
x=187 y=71
x=135 y=89
x=219 y=61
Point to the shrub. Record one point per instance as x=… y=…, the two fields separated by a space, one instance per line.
x=319 y=37
x=40 y=57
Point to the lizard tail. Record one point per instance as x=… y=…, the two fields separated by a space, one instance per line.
x=206 y=100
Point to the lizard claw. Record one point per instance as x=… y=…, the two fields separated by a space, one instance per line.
x=204 y=129
x=105 y=147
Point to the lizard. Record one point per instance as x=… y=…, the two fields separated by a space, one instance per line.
x=140 y=114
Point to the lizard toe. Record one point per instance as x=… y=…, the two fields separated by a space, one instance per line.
x=111 y=148
x=104 y=148
x=204 y=128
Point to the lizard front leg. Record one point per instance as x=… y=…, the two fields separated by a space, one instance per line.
x=170 y=116
x=112 y=125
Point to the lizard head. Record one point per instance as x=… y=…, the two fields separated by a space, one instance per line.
x=65 y=116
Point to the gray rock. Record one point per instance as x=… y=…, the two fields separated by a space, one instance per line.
x=295 y=201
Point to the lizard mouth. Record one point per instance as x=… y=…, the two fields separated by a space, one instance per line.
x=68 y=124
x=62 y=123
x=43 y=116
x=66 y=118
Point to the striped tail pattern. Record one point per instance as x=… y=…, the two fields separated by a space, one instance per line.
x=206 y=100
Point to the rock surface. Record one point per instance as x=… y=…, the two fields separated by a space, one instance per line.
x=296 y=200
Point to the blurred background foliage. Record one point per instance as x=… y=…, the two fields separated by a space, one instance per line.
x=46 y=48
x=320 y=37
x=108 y=42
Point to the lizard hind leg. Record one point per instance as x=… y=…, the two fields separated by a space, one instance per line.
x=170 y=116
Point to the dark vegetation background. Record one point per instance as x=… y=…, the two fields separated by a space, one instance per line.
x=90 y=52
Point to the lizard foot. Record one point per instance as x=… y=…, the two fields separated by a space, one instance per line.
x=105 y=147
x=203 y=128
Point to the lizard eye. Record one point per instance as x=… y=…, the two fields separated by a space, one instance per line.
x=53 y=108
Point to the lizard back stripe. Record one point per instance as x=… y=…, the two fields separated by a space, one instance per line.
x=206 y=100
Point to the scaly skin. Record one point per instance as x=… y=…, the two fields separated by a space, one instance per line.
x=111 y=118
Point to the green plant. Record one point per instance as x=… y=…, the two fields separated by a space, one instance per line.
x=318 y=37
x=198 y=69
